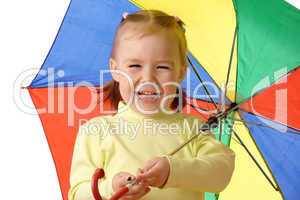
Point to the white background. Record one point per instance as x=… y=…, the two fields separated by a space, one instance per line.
x=27 y=30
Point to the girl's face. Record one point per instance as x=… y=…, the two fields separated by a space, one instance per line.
x=150 y=70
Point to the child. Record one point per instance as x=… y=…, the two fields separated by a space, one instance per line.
x=148 y=62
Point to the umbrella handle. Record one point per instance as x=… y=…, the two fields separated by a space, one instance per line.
x=98 y=174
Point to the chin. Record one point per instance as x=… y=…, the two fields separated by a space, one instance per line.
x=148 y=110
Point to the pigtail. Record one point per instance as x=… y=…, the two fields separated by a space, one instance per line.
x=110 y=92
x=179 y=101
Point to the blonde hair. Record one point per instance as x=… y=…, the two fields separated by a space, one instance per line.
x=147 y=22
x=142 y=23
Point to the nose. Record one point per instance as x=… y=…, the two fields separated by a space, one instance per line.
x=148 y=74
x=148 y=78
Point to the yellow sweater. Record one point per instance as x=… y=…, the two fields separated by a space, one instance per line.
x=123 y=142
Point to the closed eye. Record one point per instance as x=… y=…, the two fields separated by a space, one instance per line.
x=162 y=67
x=134 y=65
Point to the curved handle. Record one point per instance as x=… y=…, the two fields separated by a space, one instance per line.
x=98 y=174
x=119 y=193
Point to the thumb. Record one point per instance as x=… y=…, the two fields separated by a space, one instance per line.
x=149 y=164
x=148 y=174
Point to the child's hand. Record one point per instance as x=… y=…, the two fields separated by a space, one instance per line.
x=135 y=192
x=155 y=172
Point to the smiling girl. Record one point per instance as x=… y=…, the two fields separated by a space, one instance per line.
x=148 y=62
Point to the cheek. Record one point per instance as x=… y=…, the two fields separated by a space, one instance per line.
x=125 y=89
x=165 y=82
x=169 y=90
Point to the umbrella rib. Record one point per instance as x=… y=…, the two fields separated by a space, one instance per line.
x=200 y=79
x=196 y=107
x=220 y=129
x=236 y=140
x=204 y=127
x=228 y=71
x=254 y=160
x=262 y=125
x=230 y=62
x=201 y=109
x=220 y=121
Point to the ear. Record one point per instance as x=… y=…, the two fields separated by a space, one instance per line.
x=113 y=66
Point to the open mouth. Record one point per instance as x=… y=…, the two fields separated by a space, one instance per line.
x=149 y=95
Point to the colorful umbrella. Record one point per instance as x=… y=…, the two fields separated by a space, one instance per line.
x=249 y=50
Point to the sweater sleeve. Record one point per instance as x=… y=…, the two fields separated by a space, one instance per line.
x=208 y=170
x=87 y=157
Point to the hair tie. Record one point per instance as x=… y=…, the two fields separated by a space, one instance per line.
x=125 y=14
x=179 y=22
x=177 y=18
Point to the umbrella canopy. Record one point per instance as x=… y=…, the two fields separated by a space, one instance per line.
x=248 y=50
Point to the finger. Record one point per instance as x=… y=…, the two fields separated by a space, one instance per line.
x=149 y=164
x=136 y=195
x=137 y=188
x=138 y=178
x=148 y=174
x=146 y=177
x=139 y=171
x=151 y=181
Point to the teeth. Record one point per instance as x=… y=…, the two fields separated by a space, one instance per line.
x=143 y=96
x=147 y=93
